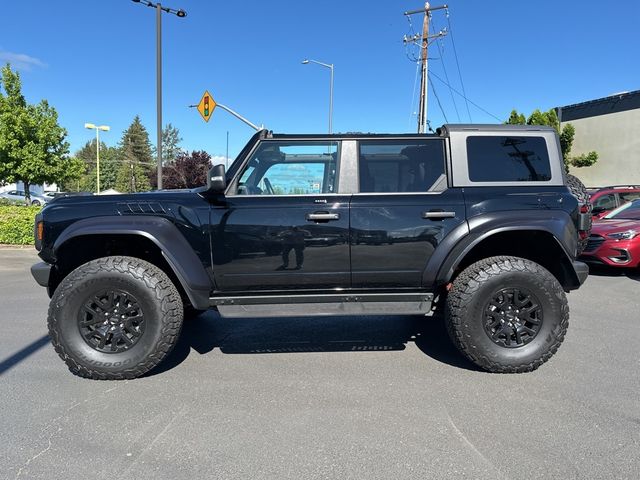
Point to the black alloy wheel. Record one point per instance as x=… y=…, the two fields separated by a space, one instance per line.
x=111 y=321
x=513 y=317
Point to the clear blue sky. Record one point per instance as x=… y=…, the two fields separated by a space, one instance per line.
x=95 y=62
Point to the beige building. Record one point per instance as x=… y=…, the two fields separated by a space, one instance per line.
x=611 y=127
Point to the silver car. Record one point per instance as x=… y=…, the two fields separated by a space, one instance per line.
x=19 y=196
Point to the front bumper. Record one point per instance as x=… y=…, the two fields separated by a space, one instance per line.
x=41 y=272
x=615 y=253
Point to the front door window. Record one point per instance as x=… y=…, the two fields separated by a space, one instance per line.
x=285 y=168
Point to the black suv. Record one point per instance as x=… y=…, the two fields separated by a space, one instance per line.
x=476 y=220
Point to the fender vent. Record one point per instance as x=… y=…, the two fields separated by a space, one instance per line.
x=141 y=208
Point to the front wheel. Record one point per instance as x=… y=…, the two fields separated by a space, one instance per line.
x=114 y=318
x=507 y=314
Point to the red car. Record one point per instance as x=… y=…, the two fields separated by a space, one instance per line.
x=607 y=199
x=615 y=238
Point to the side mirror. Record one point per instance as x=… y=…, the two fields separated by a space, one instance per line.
x=216 y=180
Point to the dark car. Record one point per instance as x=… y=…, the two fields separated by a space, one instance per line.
x=606 y=199
x=615 y=238
x=479 y=222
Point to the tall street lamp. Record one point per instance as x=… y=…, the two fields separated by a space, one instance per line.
x=179 y=13
x=104 y=128
x=330 y=67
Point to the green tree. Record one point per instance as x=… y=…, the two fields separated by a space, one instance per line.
x=566 y=134
x=135 y=161
x=33 y=149
x=170 y=144
x=131 y=176
x=109 y=157
x=516 y=118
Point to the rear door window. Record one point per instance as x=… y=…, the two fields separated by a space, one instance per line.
x=501 y=158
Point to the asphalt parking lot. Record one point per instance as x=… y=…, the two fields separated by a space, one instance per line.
x=324 y=397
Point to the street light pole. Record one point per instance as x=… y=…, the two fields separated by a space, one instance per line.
x=159 y=91
x=179 y=13
x=104 y=128
x=330 y=67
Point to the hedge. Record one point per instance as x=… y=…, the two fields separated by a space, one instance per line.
x=16 y=224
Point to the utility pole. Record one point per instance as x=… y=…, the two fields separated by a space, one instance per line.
x=422 y=110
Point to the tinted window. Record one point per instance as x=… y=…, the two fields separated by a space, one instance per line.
x=400 y=165
x=605 y=202
x=629 y=211
x=629 y=196
x=508 y=159
x=290 y=168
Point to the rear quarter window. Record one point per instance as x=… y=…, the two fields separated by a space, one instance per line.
x=502 y=158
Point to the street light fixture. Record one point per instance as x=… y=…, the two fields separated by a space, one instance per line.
x=330 y=67
x=179 y=13
x=104 y=128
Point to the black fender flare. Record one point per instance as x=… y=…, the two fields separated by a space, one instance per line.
x=440 y=268
x=165 y=235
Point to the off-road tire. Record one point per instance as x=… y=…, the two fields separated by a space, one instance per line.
x=159 y=303
x=579 y=191
x=467 y=318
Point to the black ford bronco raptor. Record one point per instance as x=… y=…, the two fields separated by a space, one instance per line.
x=480 y=220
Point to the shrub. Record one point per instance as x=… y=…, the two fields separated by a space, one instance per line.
x=16 y=224
x=8 y=201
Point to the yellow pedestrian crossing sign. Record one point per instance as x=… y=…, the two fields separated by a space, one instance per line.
x=206 y=106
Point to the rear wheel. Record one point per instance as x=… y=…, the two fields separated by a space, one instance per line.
x=507 y=314
x=579 y=191
x=114 y=318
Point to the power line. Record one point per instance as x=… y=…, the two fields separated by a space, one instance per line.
x=466 y=99
x=455 y=52
x=446 y=75
x=435 y=94
x=413 y=93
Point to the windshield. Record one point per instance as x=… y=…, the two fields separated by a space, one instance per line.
x=628 y=211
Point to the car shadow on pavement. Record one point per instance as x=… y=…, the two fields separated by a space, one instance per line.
x=606 y=271
x=314 y=334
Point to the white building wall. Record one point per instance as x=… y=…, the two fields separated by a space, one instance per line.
x=35 y=189
x=616 y=138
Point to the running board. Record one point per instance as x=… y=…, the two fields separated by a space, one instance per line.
x=324 y=304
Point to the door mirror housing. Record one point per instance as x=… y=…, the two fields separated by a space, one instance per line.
x=216 y=180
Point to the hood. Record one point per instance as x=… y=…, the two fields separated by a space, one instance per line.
x=604 y=226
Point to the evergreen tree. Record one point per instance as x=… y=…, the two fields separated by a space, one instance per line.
x=135 y=160
x=131 y=176
x=170 y=144
x=108 y=168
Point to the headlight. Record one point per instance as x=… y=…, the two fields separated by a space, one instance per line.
x=628 y=235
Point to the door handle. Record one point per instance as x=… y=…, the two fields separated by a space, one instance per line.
x=322 y=216
x=438 y=215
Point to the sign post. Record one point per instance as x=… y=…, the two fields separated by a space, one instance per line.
x=207 y=104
